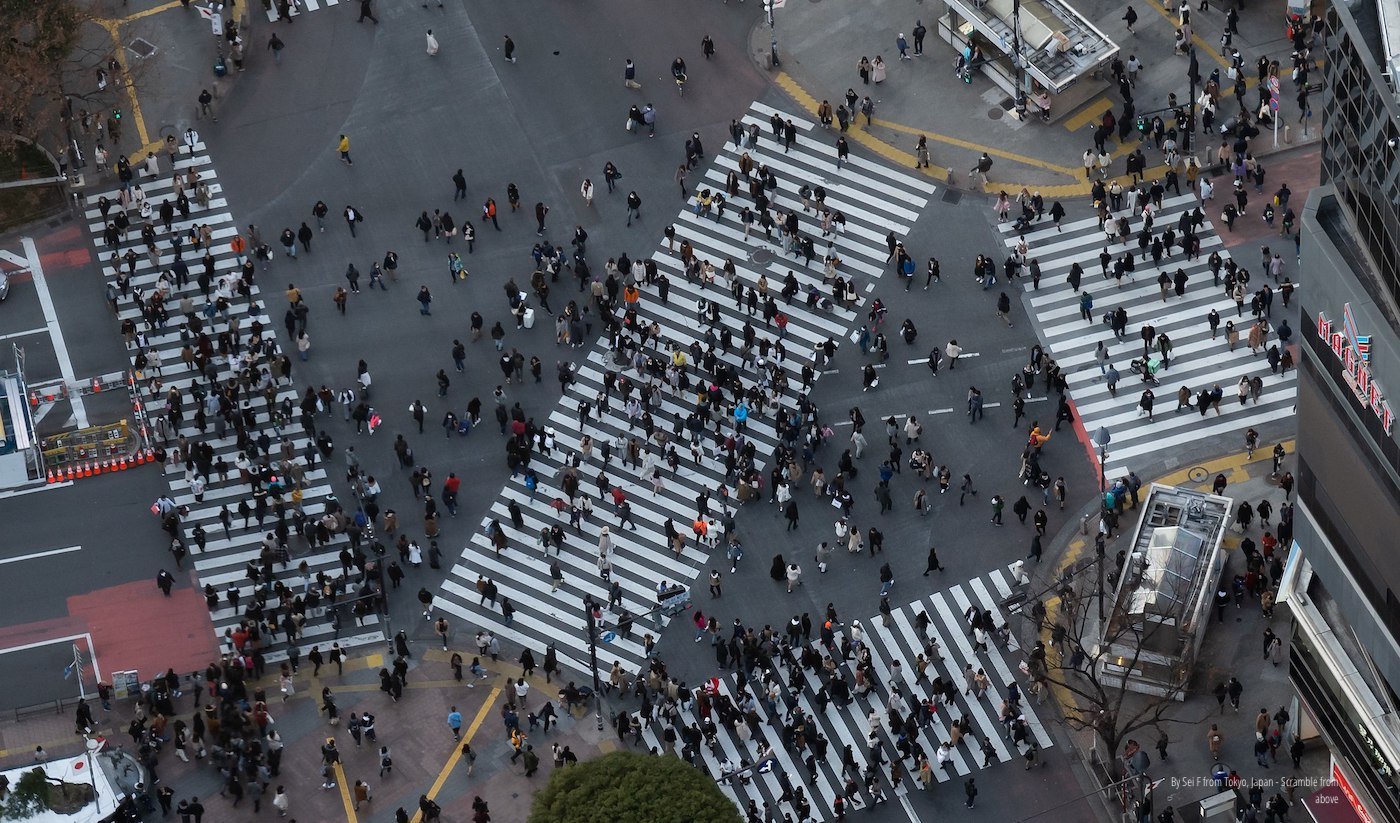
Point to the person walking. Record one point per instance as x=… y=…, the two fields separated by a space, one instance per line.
x=454 y=722
x=933 y=564
x=352 y=217
x=344 y=148
x=794 y=576
x=281 y=802
x=508 y=49
x=275 y=45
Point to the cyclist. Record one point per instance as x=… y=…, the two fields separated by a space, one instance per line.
x=678 y=70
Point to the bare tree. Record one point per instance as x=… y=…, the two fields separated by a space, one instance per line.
x=58 y=59
x=1083 y=660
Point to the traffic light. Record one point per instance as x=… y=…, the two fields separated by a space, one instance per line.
x=1142 y=125
x=116 y=114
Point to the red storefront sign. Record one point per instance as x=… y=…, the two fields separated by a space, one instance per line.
x=1350 y=793
x=1353 y=352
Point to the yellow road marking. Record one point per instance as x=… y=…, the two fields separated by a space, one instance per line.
x=137 y=15
x=808 y=103
x=457 y=750
x=1234 y=463
x=1089 y=113
x=345 y=797
x=113 y=28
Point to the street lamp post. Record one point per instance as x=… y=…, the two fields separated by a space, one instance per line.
x=1102 y=438
x=1017 y=61
x=769 y=6
x=1193 y=76
x=590 y=615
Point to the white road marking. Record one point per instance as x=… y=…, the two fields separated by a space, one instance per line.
x=65 y=363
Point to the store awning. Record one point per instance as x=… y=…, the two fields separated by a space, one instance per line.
x=1330 y=805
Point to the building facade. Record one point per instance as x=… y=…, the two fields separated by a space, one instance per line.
x=1342 y=582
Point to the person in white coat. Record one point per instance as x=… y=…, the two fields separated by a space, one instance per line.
x=432 y=43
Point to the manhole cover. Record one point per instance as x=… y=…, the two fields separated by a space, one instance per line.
x=952 y=196
x=141 y=48
x=1198 y=474
x=996 y=113
x=761 y=256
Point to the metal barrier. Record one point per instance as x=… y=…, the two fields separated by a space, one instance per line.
x=96 y=449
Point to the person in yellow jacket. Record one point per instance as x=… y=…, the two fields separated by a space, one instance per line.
x=1038 y=438
x=344 y=148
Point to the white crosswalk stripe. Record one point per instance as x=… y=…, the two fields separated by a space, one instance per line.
x=299 y=8
x=226 y=557
x=875 y=200
x=829 y=731
x=1197 y=362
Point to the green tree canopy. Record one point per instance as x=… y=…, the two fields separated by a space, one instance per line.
x=626 y=787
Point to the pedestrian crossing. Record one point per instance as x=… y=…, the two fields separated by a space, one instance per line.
x=840 y=726
x=875 y=200
x=1197 y=362
x=297 y=8
x=226 y=556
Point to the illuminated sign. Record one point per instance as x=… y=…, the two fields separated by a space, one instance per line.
x=1350 y=793
x=1353 y=350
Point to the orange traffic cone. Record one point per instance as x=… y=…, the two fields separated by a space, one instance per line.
x=87 y=469
x=121 y=463
x=51 y=476
x=70 y=473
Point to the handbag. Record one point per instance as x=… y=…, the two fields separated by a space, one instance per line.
x=630 y=124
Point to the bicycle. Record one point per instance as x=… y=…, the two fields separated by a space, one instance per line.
x=680 y=84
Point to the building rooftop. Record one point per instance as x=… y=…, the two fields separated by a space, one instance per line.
x=1060 y=44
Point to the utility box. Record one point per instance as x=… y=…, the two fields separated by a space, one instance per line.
x=1218 y=808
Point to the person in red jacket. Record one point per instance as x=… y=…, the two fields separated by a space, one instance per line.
x=449 y=492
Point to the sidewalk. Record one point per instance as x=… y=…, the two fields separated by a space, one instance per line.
x=425 y=757
x=922 y=95
x=1232 y=647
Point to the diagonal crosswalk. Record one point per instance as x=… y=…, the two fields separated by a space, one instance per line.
x=226 y=557
x=837 y=727
x=875 y=200
x=1197 y=362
